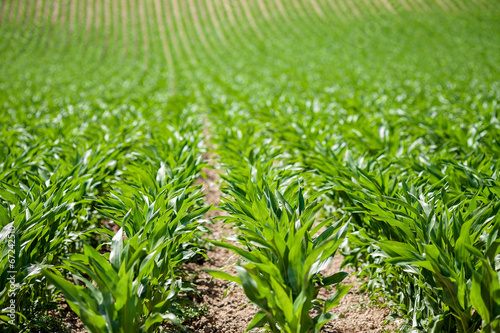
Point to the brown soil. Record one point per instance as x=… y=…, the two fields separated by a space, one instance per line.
x=230 y=314
x=356 y=312
x=69 y=318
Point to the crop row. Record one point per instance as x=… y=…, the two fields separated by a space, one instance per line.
x=101 y=208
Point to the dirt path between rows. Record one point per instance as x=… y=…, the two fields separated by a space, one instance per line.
x=229 y=314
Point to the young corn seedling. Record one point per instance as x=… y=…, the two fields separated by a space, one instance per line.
x=119 y=294
x=39 y=224
x=285 y=250
x=485 y=296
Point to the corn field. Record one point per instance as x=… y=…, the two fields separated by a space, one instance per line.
x=357 y=131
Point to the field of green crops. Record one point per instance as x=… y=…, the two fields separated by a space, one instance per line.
x=365 y=129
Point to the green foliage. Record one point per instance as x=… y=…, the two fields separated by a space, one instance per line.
x=142 y=182
x=119 y=295
x=285 y=250
x=388 y=116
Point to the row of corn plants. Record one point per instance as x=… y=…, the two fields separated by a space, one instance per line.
x=283 y=243
x=425 y=224
x=103 y=212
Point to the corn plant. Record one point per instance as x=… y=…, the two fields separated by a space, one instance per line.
x=39 y=225
x=436 y=243
x=117 y=294
x=138 y=282
x=485 y=296
x=284 y=249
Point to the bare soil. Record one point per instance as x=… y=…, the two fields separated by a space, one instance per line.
x=69 y=319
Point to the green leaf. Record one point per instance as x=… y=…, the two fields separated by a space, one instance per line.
x=334 y=279
x=245 y=254
x=260 y=320
x=334 y=300
x=223 y=276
